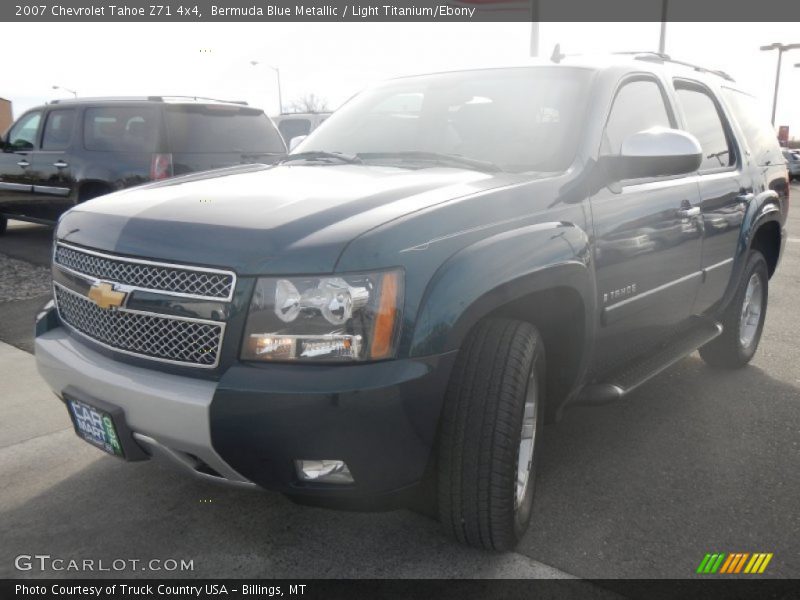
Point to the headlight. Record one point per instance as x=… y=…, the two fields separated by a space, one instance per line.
x=337 y=318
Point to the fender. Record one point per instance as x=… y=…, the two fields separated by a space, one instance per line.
x=497 y=270
x=763 y=208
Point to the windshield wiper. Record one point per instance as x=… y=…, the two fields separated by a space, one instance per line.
x=322 y=156
x=436 y=157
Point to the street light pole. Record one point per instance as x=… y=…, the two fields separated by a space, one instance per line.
x=662 y=40
x=278 y=75
x=60 y=87
x=280 y=95
x=535 y=28
x=781 y=48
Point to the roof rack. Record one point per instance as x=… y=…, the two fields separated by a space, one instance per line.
x=100 y=99
x=144 y=99
x=197 y=98
x=662 y=58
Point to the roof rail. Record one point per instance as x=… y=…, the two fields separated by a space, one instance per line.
x=143 y=99
x=198 y=98
x=100 y=99
x=662 y=58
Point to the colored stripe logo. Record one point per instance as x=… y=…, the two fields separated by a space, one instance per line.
x=734 y=563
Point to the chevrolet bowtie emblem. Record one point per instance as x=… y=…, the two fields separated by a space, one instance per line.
x=104 y=295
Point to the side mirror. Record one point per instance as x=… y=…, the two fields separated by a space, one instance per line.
x=295 y=141
x=656 y=152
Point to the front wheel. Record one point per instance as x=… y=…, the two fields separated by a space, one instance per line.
x=490 y=433
x=3 y=224
x=743 y=320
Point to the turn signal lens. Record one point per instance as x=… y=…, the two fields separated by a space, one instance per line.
x=386 y=320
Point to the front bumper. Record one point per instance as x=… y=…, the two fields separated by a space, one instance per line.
x=167 y=414
x=250 y=427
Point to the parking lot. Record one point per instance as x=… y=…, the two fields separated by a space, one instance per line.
x=695 y=461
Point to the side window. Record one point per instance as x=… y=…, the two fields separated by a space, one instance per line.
x=759 y=132
x=704 y=121
x=58 y=129
x=23 y=135
x=121 y=129
x=638 y=105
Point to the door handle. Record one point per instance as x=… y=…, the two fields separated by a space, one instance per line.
x=60 y=164
x=23 y=163
x=694 y=211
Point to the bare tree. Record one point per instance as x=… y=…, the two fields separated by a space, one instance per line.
x=310 y=103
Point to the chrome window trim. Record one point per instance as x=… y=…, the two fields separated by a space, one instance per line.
x=124 y=259
x=219 y=324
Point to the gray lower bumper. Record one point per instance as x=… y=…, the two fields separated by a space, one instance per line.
x=168 y=414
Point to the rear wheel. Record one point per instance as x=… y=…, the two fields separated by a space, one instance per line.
x=490 y=432
x=743 y=320
x=3 y=224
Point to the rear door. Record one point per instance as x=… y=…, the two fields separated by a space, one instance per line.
x=725 y=189
x=15 y=165
x=52 y=170
x=647 y=238
x=212 y=136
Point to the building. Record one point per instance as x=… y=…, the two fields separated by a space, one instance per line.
x=5 y=115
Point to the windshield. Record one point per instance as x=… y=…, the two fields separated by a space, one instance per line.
x=520 y=119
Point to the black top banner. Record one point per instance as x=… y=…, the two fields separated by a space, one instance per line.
x=398 y=10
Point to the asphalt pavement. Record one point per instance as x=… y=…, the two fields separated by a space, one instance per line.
x=695 y=461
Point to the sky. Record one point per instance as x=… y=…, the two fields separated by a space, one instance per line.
x=336 y=60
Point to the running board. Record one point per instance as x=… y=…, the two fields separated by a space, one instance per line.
x=627 y=379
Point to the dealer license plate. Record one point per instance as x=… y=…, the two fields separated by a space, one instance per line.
x=95 y=426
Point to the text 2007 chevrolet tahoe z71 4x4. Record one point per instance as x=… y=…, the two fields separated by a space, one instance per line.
x=447 y=262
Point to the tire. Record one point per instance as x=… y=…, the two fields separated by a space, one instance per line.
x=500 y=366
x=3 y=224
x=737 y=344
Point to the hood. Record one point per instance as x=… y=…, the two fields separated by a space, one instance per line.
x=258 y=219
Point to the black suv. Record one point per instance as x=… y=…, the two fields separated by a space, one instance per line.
x=56 y=156
x=446 y=263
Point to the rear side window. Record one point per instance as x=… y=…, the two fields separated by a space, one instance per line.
x=639 y=105
x=704 y=121
x=290 y=128
x=58 y=129
x=121 y=129
x=758 y=132
x=222 y=129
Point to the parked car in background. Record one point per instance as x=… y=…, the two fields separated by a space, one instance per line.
x=295 y=125
x=792 y=162
x=64 y=153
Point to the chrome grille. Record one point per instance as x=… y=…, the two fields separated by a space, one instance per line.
x=189 y=342
x=192 y=282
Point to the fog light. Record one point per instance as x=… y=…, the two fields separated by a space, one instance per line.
x=325 y=471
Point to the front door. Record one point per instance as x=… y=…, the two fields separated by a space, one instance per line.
x=15 y=164
x=647 y=239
